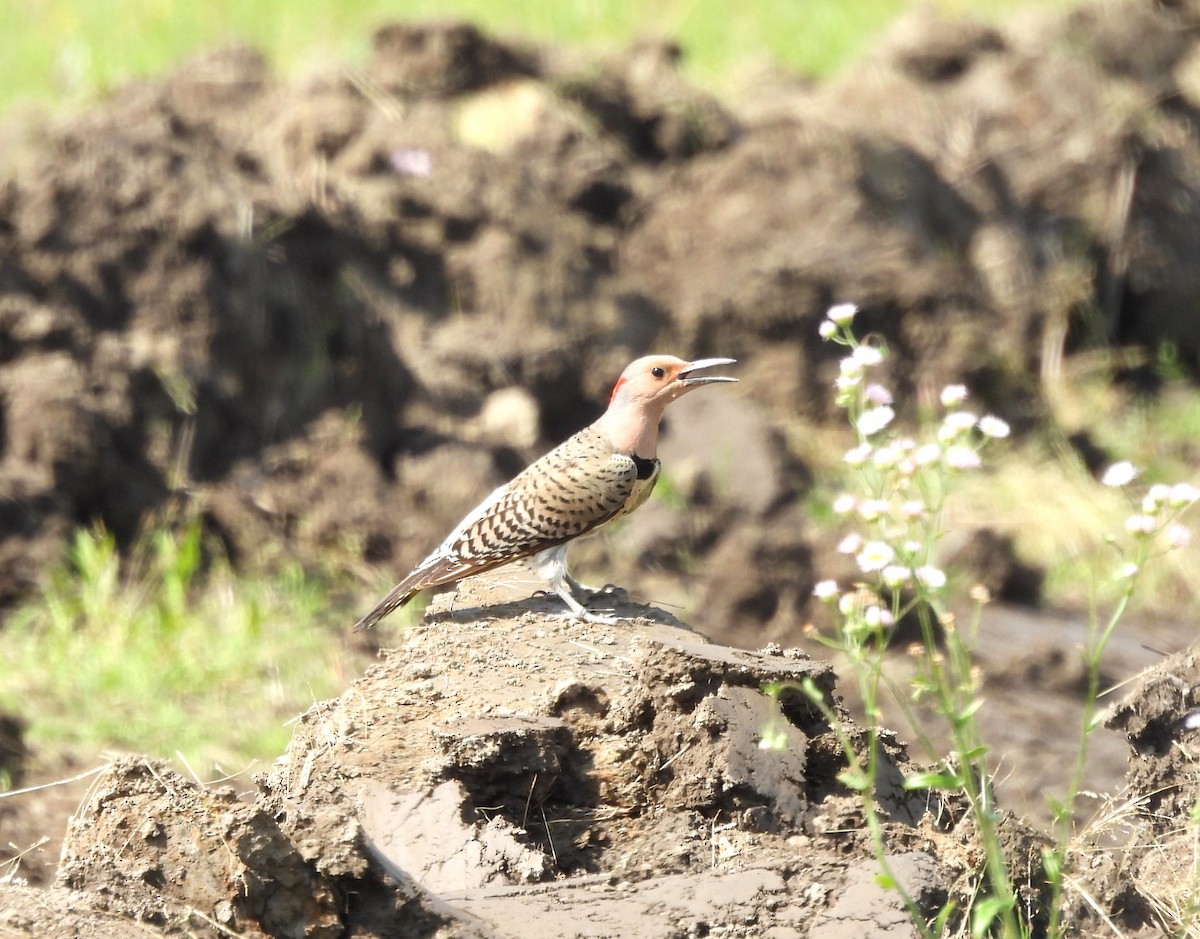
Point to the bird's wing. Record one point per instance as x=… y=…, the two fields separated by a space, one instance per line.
x=542 y=508
x=567 y=493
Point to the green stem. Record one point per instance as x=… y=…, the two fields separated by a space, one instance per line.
x=951 y=673
x=1065 y=814
x=868 y=774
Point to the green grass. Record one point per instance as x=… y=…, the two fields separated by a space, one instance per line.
x=155 y=654
x=71 y=50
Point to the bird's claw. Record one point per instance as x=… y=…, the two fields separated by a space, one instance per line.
x=584 y=592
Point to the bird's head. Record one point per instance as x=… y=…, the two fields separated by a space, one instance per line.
x=644 y=390
x=654 y=381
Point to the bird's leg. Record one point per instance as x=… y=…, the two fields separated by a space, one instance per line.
x=582 y=591
x=551 y=565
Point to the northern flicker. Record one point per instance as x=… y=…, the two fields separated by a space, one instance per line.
x=602 y=473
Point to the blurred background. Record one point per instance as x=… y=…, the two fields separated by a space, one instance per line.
x=285 y=288
x=71 y=51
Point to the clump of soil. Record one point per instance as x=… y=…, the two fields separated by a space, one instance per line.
x=1160 y=719
x=154 y=846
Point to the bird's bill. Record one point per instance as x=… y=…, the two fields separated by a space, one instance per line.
x=685 y=374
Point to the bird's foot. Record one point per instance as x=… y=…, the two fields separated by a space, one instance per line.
x=585 y=592
x=577 y=611
x=595 y=619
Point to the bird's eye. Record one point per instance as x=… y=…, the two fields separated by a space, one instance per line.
x=658 y=371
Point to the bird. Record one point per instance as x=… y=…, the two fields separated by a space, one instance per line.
x=600 y=474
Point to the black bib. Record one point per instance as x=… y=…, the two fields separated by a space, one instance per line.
x=645 y=468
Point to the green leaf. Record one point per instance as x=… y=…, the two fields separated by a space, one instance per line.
x=1052 y=863
x=970 y=710
x=984 y=913
x=811 y=691
x=932 y=781
x=943 y=917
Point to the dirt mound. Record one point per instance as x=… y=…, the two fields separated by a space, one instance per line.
x=990 y=196
x=516 y=774
x=304 y=309
x=509 y=773
x=1160 y=719
x=199 y=846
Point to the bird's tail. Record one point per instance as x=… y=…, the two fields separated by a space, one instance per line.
x=399 y=596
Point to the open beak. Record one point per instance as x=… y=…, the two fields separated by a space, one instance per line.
x=685 y=374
